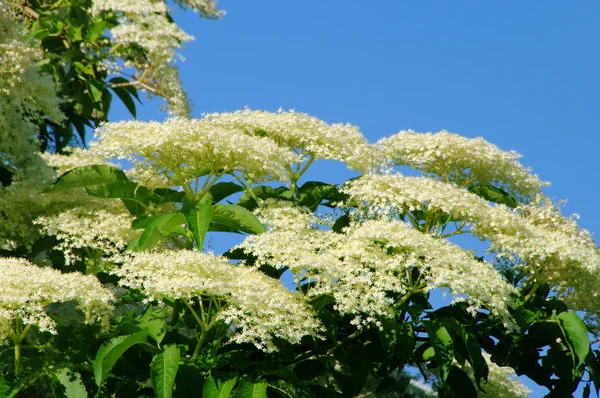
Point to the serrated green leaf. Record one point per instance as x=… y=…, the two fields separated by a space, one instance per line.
x=156 y=228
x=163 y=371
x=95 y=89
x=222 y=190
x=428 y=354
x=198 y=218
x=494 y=194
x=459 y=382
x=136 y=198
x=443 y=345
x=157 y=329
x=237 y=217
x=341 y=223
x=166 y=195
x=217 y=388
x=70 y=383
x=125 y=97
x=249 y=389
x=111 y=351
x=87 y=176
x=576 y=335
x=473 y=349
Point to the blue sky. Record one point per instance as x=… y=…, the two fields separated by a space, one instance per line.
x=523 y=75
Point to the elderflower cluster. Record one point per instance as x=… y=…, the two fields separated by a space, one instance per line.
x=103 y=225
x=465 y=161
x=183 y=149
x=26 y=95
x=305 y=134
x=553 y=249
x=146 y=25
x=72 y=158
x=370 y=261
x=25 y=290
x=502 y=381
x=260 y=308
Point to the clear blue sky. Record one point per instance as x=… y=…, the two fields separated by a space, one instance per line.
x=523 y=75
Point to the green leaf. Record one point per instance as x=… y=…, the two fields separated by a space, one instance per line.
x=261 y=192
x=473 y=353
x=428 y=354
x=166 y=195
x=237 y=217
x=217 y=388
x=189 y=381
x=593 y=367
x=163 y=370
x=341 y=223
x=87 y=176
x=198 y=218
x=309 y=369
x=157 y=329
x=494 y=194
x=312 y=193
x=460 y=383
x=68 y=384
x=95 y=88
x=576 y=335
x=249 y=389
x=130 y=89
x=156 y=228
x=222 y=190
x=125 y=97
x=443 y=345
x=111 y=351
x=136 y=198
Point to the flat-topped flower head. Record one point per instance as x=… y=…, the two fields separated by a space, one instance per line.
x=184 y=149
x=464 y=161
x=551 y=248
x=146 y=38
x=309 y=136
x=366 y=265
x=102 y=225
x=25 y=290
x=259 y=307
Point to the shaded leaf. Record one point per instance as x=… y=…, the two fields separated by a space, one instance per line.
x=575 y=334
x=238 y=218
x=249 y=389
x=163 y=370
x=111 y=351
x=198 y=218
x=87 y=176
x=494 y=194
x=222 y=190
x=68 y=384
x=217 y=388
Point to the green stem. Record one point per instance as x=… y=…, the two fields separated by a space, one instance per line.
x=18 y=338
x=199 y=345
x=17 y=359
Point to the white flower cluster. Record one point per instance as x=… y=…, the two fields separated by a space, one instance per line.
x=103 y=225
x=553 y=249
x=25 y=94
x=370 y=261
x=71 y=158
x=26 y=289
x=260 y=308
x=461 y=160
x=181 y=149
x=146 y=24
x=305 y=134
